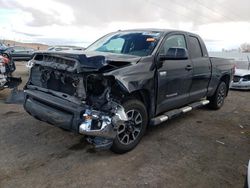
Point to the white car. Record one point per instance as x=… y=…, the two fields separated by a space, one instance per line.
x=241 y=80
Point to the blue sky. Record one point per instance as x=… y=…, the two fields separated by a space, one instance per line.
x=222 y=23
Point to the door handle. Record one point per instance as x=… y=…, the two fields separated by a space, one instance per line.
x=163 y=73
x=188 y=67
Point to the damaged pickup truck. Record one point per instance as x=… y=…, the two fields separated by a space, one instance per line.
x=124 y=82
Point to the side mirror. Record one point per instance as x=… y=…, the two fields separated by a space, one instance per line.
x=175 y=54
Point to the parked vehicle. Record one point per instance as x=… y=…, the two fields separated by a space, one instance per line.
x=3 y=47
x=124 y=82
x=7 y=67
x=241 y=80
x=20 y=53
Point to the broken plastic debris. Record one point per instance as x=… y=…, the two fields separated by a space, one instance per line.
x=220 y=142
x=241 y=126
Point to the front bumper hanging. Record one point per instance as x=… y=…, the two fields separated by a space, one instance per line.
x=78 y=118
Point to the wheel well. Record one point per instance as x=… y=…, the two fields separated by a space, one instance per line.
x=226 y=79
x=143 y=96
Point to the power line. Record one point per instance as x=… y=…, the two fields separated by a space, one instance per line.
x=172 y=10
x=191 y=10
x=208 y=18
x=231 y=11
x=214 y=11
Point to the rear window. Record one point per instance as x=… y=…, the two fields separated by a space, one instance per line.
x=195 y=47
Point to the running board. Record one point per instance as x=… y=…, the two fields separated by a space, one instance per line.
x=176 y=112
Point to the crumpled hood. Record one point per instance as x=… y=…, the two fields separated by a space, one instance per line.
x=93 y=61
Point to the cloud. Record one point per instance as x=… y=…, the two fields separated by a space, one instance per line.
x=44 y=12
x=225 y=35
x=96 y=12
x=71 y=21
x=27 y=34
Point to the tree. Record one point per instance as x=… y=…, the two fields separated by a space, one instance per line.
x=245 y=47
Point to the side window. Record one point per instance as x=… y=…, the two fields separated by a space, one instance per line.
x=174 y=41
x=195 y=47
x=18 y=49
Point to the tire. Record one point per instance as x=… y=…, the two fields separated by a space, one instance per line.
x=130 y=134
x=217 y=100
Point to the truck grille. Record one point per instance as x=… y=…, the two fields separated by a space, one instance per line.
x=53 y=80
x=56 y=59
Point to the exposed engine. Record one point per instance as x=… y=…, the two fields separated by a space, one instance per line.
x=55 y=80
x=93 y=89
x=103 y=113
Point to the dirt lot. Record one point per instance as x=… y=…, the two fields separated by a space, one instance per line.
x=201 y=149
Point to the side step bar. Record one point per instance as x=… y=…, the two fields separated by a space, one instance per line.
x=176 y=112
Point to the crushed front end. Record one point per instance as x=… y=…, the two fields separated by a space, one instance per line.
x=80 y=100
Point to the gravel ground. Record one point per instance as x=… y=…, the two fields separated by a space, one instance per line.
x=204 y=148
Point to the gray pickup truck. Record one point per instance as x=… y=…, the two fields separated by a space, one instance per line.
x=124 y=82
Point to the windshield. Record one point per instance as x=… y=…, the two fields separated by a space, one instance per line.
x=131 y=43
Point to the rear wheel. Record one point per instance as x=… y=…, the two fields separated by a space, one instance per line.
x=217 y=100
x=130 y=133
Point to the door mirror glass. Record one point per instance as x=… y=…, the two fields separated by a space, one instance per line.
x=175 y=54
x=174 y=47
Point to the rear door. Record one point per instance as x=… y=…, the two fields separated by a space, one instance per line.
x=201 y=68
x=174 y=76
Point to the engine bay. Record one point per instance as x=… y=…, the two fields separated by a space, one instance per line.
x=93 y=89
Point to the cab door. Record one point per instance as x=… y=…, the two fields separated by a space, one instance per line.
x=201 y=68
x=174 y=76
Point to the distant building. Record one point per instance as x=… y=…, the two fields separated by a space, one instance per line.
x=242 y=59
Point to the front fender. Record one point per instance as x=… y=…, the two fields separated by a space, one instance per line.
x=137 y=76
x=140 y=79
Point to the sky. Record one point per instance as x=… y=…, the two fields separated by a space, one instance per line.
x=223 y=24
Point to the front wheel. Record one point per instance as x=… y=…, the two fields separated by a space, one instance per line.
x=130 y=133
x=217 y=100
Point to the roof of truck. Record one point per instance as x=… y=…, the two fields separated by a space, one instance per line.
x=156 y=30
